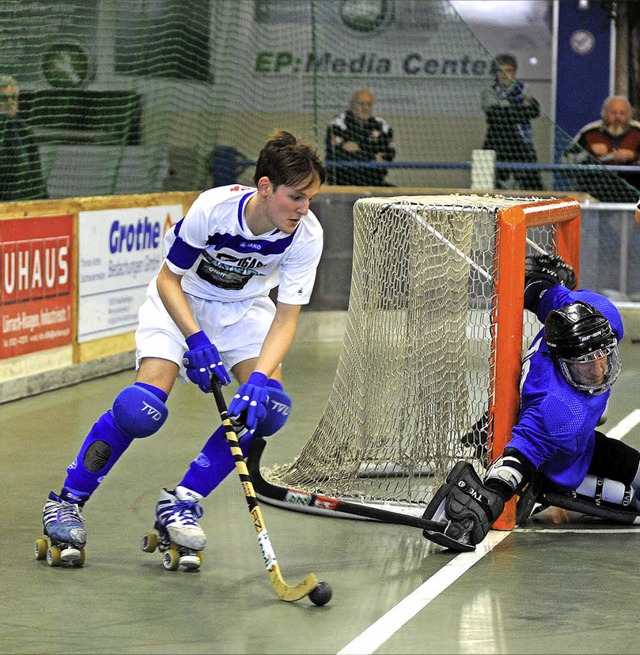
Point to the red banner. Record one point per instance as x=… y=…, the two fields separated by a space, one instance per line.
x=36 y=284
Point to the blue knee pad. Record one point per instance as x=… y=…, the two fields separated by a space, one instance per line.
x=139 y=412
x=215 y=462
x=278 y=410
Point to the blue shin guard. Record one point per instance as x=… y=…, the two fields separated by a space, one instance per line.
x=101 y=449
x=213 y=464
x=138 y=411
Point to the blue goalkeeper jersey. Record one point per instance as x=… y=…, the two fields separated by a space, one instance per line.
x=556 y=424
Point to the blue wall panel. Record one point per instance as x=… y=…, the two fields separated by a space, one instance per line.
x=583 y=66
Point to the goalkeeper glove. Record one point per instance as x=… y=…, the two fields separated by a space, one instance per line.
x=542 y=272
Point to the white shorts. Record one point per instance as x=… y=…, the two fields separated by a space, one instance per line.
x=237 y=329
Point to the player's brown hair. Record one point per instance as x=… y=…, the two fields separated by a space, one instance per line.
x=287 y=159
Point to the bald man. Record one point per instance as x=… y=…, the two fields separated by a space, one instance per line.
x=614 y=140
x=357 y=135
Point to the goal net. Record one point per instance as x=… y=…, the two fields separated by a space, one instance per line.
x=132 y=96
x=428 y=372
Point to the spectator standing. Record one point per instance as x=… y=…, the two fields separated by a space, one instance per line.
x=509 y=110
x=20 y=170
x=357 y=135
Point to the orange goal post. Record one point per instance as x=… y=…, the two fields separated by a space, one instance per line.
x=514 y=223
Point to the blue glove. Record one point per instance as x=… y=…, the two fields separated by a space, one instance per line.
x=251 y=398
x=201 y=360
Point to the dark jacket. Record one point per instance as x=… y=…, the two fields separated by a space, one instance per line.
x=509 y=113
x=20 y=170
x=375 y=135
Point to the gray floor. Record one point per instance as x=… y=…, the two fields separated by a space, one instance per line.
x=552 y=587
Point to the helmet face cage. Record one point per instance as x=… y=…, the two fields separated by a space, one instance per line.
x=579 y=337
x=590 y=373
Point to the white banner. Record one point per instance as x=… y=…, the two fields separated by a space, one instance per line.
x=120 y=250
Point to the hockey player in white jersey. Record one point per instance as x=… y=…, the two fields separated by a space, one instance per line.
x=208 y=312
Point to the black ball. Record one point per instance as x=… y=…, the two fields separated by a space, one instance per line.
x=321 y=594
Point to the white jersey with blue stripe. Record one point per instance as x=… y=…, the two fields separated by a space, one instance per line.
x=221 y=259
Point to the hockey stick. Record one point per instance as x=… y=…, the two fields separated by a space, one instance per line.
x=318 y=592
x=304 y=501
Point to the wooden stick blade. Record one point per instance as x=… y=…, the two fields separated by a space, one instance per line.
x=283 y=590
x=289 y=592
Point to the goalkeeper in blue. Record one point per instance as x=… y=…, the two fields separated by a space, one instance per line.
x=208 y=315
x=555 y=448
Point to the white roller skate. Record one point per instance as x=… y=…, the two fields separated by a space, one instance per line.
x=179 y=535
x=63 y=524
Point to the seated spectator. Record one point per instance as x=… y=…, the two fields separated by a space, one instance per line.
x=614 y=140
x=356 y=135
x=20 y=172
x=225 y=165
x=509 y=109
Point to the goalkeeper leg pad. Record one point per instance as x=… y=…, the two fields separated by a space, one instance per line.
x=531 y=500
x=467 y=506
x=590 y=507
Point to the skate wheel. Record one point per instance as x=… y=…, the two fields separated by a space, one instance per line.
x=171 y=559
x=53 y=556
x=200 y=556
x=149 y=542
x=41 y=546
